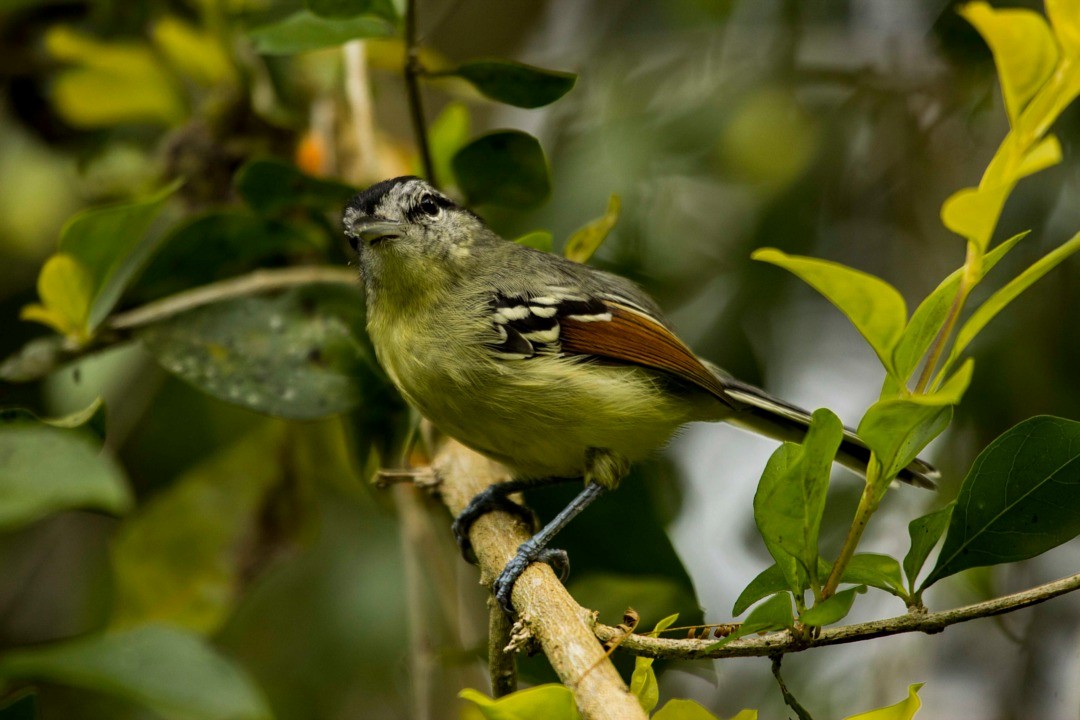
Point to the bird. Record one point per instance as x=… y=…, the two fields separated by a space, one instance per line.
x=558 y=370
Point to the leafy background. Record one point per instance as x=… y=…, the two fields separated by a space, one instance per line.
x=825 y=128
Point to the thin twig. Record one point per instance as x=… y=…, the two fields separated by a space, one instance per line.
x=253 y=283
x=789 y=699
x=783 y=642
x=413 y=70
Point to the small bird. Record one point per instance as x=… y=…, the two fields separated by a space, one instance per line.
x=557 y=370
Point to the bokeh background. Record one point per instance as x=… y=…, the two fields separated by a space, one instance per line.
x=827 y=128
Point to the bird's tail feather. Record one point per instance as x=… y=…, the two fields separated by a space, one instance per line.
x=772 y=417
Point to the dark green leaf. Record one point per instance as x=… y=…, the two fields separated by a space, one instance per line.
x=305 y=31
x=833 y=609
x=769 y=581
x=925 y=531
x=21 y=707
x=897 y=429
x=216 y=246
x=174 y=673
x=506 y=167
x=790 y=497
x=515 y=83
x=337 y=9
x=270 y=186
x=301 y=354
x=45 y=469
x=880 y=571
x=773 y=614
x=1020 y=499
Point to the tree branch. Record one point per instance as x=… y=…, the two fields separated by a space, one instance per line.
x=545 y=610
x=413 y=71
x=783 y=642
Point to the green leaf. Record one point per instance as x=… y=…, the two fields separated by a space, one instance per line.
x=973 y=213
x=301 y=354
x=584 y=242
x=22 y=706
x=193 y=52
x=773 y=614
x=45 y=469
x=903 y=710
x=66 y=291
x=679 y=709
x=338 y=9
x=516 y=83
x=997 y=302
x=897 y=429
x=110 y=83
x=506 y=167
x=929 y=317
x=643 y=683
x=303 y=31
x=270 y=186
x=538 y=240
x=113 y=244
x=879 y=571
x=1020 y=499
x=790 y=498
x=769 y=581
x=171 y=672
x=91 y=418
x=447 y=134
x=1065 y=20
x=925 y=532
x=179 y=560
x=1023 y=48
x=543 y=702
x=875 y=307
x=833 y=609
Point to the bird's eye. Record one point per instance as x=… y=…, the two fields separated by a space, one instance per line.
x=428 y=205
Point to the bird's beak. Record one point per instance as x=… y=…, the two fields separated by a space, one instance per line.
x=373 y=230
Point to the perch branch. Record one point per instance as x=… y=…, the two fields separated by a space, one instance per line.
x=545 y=610
x=783 y=642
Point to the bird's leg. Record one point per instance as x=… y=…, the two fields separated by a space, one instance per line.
x=495 y=497
x=535 y=548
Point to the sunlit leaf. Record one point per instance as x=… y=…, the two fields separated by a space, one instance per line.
x=897 y=429
x=973 y=213
x=903 y=710
x=769 y=138
x=1000 y=299
x=448 y=133
x=929 y=317
x=773 y=614
x=925 y=532
x=506 y=167
x=1020 y=499
x=680 y=709
x=543 y=702
x=875 y=307
x=1046 y=153
x=337 y=9
x=879 y=571
x=537 y=240
x=643 y=683
x=301 y=354
x=111 y=82
x=303 y=31
x=270 y=186
x=173 y=673
x=1065 y=20
x=46 y=469
x=66 y=291
x=790 y=498
x=1023 y=47
x=516 y=83
x=193 y=52
x=833 y=609
x=584 y=242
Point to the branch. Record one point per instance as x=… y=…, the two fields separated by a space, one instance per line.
x=783 y=642
x=413 y=71
x=545 y=610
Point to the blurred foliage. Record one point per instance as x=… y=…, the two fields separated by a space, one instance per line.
x=193 y=558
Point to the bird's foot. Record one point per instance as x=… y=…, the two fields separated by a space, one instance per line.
x=528 y=553
x=493 y=498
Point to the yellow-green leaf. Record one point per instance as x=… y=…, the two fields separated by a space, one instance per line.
x=584 y=242
x=448 y=134
x=1046 y=153
x=679 y=709
x=1023 y=48
x=973 y=213
x=903 y=710
x=537 y=240
x=1065 y=19
x=66 y=290
x=543 y=702
x=111 y=83
x=192 y=52
x=643 y=683
x=875 y=307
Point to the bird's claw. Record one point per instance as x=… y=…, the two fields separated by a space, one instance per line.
x=526 y=555
x=479 y=506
